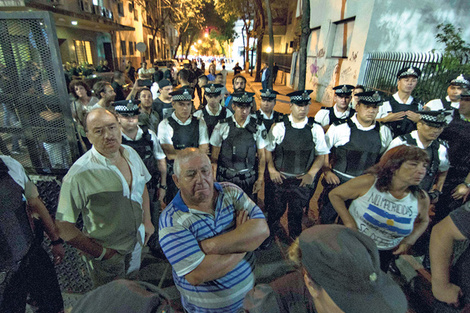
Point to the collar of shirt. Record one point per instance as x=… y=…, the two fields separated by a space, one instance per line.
x=414 y=135
x=340 y=114
x=455 y=105
x=210 y=112
x=244 y=124
x=298 y=125
x=179 y=204
x=359 y=126
x=410 y=99
x=138 y=136
x=104 y=160
x=188 y=121
x=265 y=116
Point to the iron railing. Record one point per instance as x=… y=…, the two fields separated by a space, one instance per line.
x=283 y=60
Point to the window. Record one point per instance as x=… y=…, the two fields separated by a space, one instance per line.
x=83 y=51
x=314 y=39
x=131 y=48
x=120 y=9
x=123 y=47
x=342 y=39
x=136 y=14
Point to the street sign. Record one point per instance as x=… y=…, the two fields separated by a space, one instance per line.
x=141 y=47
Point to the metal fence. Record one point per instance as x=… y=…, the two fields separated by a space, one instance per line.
x=382 y=68
x=36 y=121
x=283 y=60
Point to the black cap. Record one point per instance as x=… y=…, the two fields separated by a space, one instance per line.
x=434 y=118
x=300 y=97
x=343 y=90
x=182 y=94
x=465 y=93
x=409 y=71
x=213 y=89
x=460 y=80
x=164 y=83
x=243 y=98
x=268 y=94
x=370 y=98
x=127 y=107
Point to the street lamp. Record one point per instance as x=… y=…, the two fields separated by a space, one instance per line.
x=206 y=35
x=199 y=41
x=269 y=49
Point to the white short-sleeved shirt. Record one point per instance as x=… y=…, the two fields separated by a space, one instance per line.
x=386 y=107
x=443 y=159
x=323 y=116
x=157 y=149
x=165 y=131
x=222 y=130
x=17 y=173
x=338 y=135
x=278 y=131
x=200 y=113
x=436 y=104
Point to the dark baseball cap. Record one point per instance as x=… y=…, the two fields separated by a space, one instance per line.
x=346 y=264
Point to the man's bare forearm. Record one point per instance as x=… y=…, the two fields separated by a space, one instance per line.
x=213 y=267
x=38 y=206
x=77 y=239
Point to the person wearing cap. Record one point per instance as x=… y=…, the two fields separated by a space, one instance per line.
x=162 y=105
x=387 y=203
x=238 y=144
x=208 y=233
x=295 y=153
x=105 y=94
x=451 y=101
x=355 y=99
x=144 y=141
x=429 y=128
x=148 y=117
x=107 y=186
x=340 y=111
x=337 y=270
x=457 y=183
x=179 y=131
x=157 y=74
x=213 y=112
x=399 y=111
x=355 y=146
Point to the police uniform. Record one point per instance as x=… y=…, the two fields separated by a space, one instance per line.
x=354 y=148
x=148 y=148
x=181 y=135
x=210 y=118
x=437 y=150
x=331 y=115
x=294 y=147
x=394 y=104
x=445 y=103
x=237 y=161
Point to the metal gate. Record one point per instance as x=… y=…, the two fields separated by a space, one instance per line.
x=36 y=121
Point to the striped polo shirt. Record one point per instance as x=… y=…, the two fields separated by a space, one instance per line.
x=180 y=231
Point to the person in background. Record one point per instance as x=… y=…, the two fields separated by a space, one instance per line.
x=148 y=117
x=130 y=71
x=340 y=112
x=355 y=99
x=106 y=95
x=237 y=69
x=162 y=105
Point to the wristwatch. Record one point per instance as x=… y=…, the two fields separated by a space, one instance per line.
x=466 y=184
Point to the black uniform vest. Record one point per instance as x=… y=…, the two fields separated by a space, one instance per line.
x=144 y=148
x=15 y=229
x=277 y=117
x=296 y=153
x=361 y=152
x=446 y=104
x=185 y=136
x=212 y=120
x=405 y=126
x=334 y=120
x=433 y=166
x=238 y=150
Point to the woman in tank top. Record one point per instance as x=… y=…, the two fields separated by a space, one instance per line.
x=387 y=203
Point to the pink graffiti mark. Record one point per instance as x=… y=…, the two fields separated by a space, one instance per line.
x=314 y=68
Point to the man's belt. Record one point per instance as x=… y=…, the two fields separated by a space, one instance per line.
x=230 y=173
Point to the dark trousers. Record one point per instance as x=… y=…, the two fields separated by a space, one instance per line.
x=327 y=212
x=246 y=184
x=386 y=257
x=289 y=193
x=35 y=276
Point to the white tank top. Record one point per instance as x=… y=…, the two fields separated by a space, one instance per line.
x=384 y=218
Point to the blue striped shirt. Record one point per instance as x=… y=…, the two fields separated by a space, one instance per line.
x=180 y=231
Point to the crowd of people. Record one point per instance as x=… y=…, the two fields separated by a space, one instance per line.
x=157 y=171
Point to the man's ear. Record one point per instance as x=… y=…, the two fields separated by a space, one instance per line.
x=175 y=179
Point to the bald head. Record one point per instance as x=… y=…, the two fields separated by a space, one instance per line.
x=185 y=155
x=97 y=114
x=103 y=131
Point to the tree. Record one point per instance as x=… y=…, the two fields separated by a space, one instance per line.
x=305 y=25
x=271 y=42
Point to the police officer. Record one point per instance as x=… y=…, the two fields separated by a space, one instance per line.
x=266 y=112
x=451 y=101
x=213 y=112
x=340 y=111
x=429 y=128
x=179 y=131
x=399 y=111
x=238 y=144
x=296 y=152
x=355 y=146
x=145 y=143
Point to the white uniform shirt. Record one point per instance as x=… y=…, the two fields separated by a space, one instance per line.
x=157 y=149
x=386 y=107
x=443 y=159
x=200 y=113
x=436 y=104
x=278 y=131
x=323 y=116
x=165 y=131
x=17 y=173
x=338 y=135
x=221 y=132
